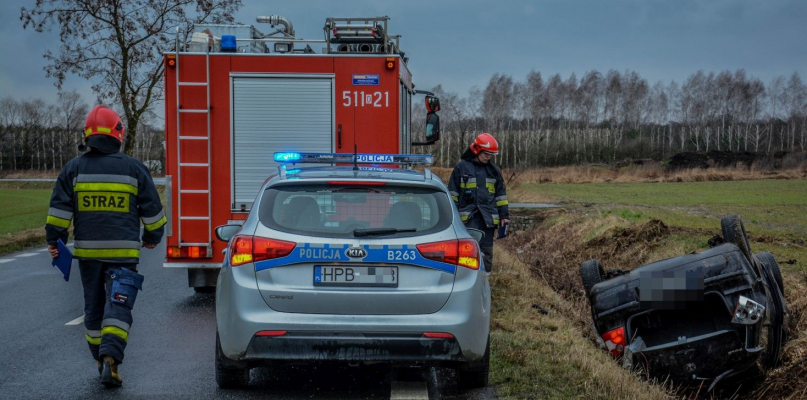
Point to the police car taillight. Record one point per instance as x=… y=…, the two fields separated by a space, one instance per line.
x=247 y=249
x=462 y=252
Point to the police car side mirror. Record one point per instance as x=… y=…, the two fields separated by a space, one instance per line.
x=226 y=232
x=432 y=127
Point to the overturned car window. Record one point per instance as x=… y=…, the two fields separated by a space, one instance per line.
x=347 y=211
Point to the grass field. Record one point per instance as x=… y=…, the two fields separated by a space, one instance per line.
x=553 y=354
x=618 y=223
x=22 y=209
x=22 y=215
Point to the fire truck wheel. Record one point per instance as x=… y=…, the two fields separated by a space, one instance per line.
x=205 y=289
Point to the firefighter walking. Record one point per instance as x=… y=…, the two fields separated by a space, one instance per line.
x=106 y=194
x=477 y=187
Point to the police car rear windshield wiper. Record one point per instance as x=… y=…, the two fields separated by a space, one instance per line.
x=380 y=231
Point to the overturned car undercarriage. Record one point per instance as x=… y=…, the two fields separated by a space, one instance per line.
x=698 y=317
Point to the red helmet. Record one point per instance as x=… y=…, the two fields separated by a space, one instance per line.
x=102 y=120
x=485 y=142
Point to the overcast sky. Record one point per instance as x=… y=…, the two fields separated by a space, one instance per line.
x=461 y=43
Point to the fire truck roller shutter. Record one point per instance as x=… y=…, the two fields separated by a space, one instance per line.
x=277 y=113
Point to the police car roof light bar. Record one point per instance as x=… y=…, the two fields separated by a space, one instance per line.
x=354 y=159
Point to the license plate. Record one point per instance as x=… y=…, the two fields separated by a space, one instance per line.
x=670 y=290
x=355 y=276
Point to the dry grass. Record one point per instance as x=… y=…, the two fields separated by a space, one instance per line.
x=538 y=355
x=29 y=174
x=555 y=250
x=652 y=172
x=21 y=240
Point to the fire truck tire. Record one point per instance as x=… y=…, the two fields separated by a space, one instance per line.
x=205 y=289
x=734 y=232
x=591 y=273
x=229 y=375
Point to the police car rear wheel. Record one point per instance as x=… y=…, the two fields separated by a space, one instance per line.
x=475 y=374
x=229 y=376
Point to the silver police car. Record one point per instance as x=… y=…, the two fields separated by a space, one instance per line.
x=354 y=265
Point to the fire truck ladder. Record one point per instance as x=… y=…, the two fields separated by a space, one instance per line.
x=206 y=165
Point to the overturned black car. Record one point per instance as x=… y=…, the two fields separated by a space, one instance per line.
x=704 y=316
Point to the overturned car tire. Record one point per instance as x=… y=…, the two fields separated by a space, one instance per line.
x=734 y=232
x=770 y=264
x=591 y=273
x=776 y=333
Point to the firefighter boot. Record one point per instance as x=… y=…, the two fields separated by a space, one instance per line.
x=109 y=375
x=100 y=366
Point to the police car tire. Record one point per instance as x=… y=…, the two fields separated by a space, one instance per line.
x=734 y=232
x=591 y=273
x=475 y=374
x=229 y=376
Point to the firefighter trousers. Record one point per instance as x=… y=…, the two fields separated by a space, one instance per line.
x=486 y=244
x=110 y=290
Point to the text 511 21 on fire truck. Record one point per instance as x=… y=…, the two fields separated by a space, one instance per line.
x=234 y=96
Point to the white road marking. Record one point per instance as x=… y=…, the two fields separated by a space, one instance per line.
x=45 y=249
x=26 y=255
x=5 y=260
x=408 y=391
x=76 y=321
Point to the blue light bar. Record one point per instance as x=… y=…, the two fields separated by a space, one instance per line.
x=287 y=157
x=347 y=158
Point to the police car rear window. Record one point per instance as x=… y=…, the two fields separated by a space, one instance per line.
x=337 y=211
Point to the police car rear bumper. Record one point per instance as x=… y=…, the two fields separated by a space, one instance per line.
x=305 y=347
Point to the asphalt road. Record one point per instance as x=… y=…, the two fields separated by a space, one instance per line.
x=43 y=353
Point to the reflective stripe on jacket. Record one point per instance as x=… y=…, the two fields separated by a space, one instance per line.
x=479 y=188
x=106 y=196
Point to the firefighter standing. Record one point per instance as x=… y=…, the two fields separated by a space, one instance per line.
x=477 y=187
x=106 y=193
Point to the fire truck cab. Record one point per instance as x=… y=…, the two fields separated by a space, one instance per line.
x=234 y=96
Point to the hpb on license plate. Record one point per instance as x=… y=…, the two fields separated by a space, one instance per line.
x=355 y=276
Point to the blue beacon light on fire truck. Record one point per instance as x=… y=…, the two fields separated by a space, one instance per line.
x=347 y=158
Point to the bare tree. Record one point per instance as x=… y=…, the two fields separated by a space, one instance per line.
x=118 y=45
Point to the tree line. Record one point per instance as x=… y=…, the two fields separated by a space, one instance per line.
x=602 y=118
x=598 y=118
x=35 y=135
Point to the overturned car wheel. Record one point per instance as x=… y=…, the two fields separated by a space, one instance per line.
x=591 y=272
x=776 y=335
x=734 y=232
x=772 y=267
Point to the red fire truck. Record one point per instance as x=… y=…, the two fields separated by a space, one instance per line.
x=234 y=96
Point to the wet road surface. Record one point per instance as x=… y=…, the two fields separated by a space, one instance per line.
x=43 y=353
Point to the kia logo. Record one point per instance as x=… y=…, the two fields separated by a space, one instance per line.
x=356 y=252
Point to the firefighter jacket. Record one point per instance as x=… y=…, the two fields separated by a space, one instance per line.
x=479 y=188
x=106 y=196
